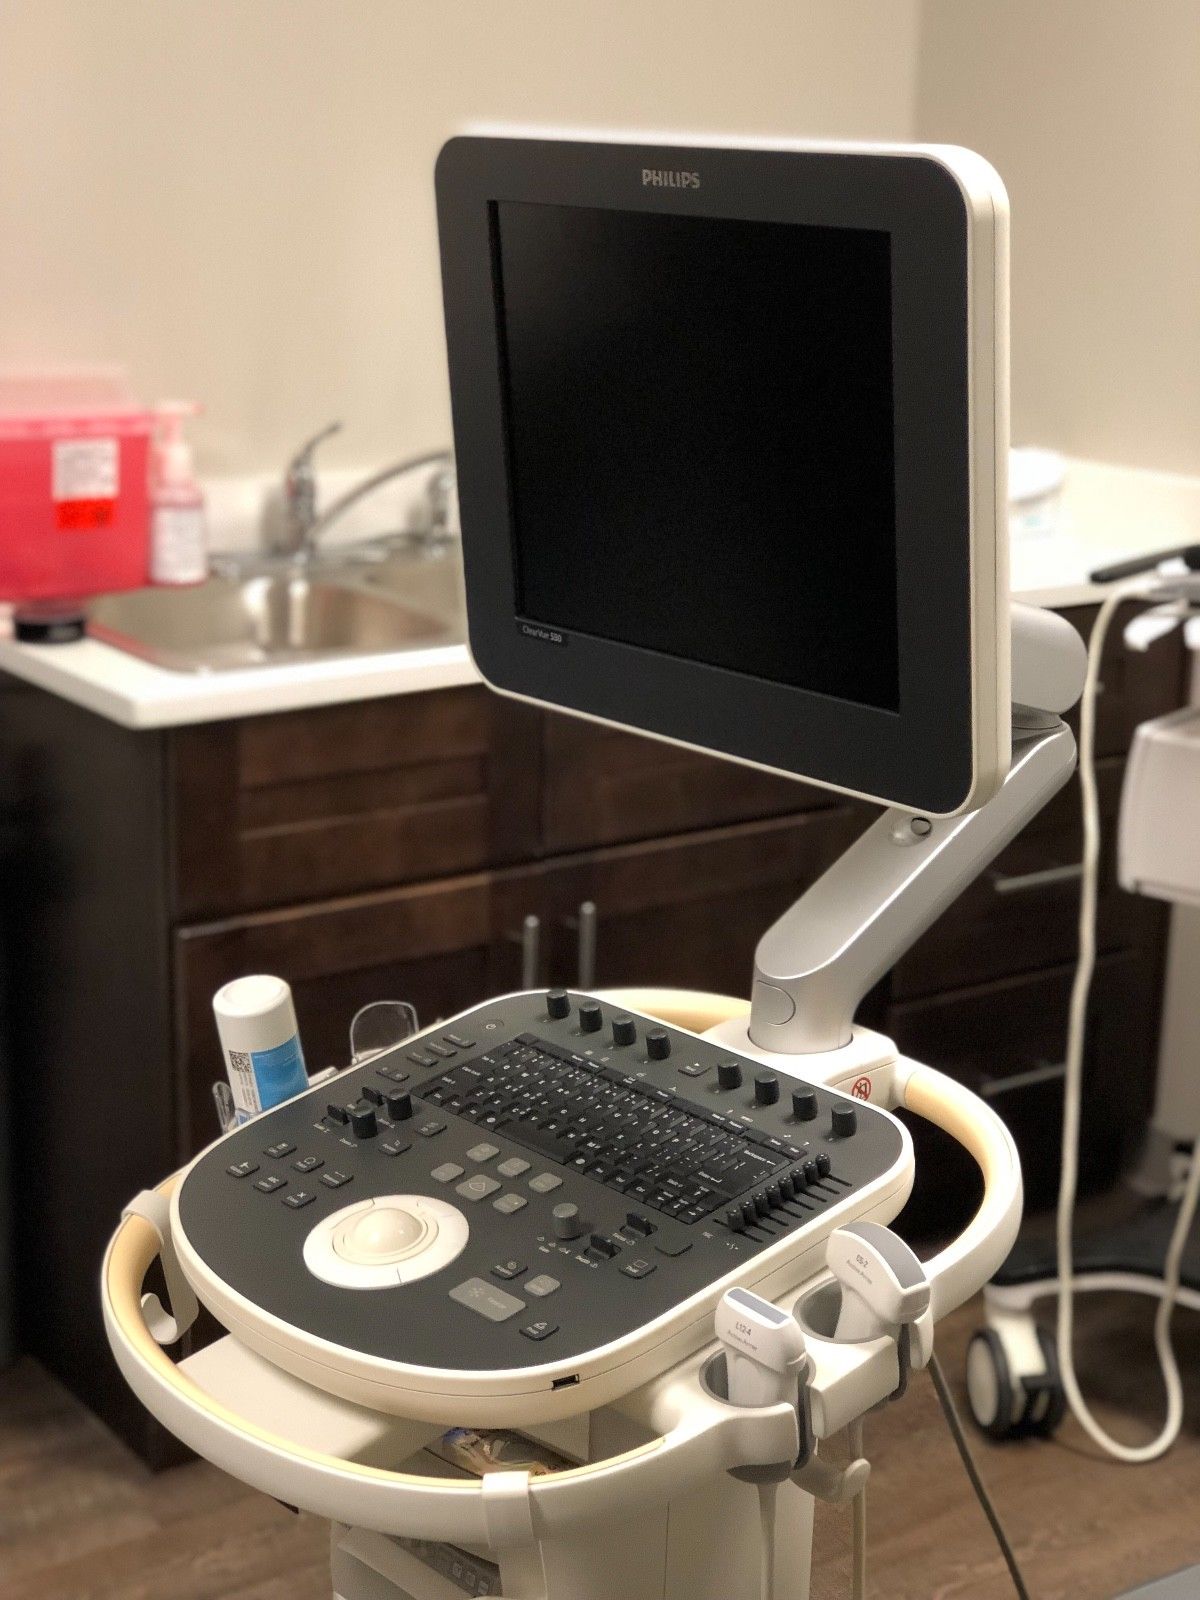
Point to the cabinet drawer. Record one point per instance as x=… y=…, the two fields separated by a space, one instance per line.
x=689 y=911
x=1135 y=684
x=604 y=787
x=1007 y=1041
x=306 y=804
x=1022 y=912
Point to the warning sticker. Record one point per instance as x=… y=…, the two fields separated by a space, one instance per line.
x=86 y=469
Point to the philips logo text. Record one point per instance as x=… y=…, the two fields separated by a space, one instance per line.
x=660 y=178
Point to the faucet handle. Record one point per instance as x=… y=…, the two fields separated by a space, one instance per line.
x=300 y=489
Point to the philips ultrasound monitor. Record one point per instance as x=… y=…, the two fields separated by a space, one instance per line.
x=731 y=431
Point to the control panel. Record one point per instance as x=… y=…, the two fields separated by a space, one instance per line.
x=527 y=1184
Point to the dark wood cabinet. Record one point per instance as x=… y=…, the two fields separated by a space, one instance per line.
x=393 y=849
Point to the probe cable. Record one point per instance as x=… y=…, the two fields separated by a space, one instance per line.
x=954 y=1423
x=1073 y=1100
x=858 y=1582
x=766 y=1523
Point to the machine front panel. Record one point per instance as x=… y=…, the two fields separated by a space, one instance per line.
x=561 y=1181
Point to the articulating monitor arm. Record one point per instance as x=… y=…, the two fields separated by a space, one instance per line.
x=813 y=967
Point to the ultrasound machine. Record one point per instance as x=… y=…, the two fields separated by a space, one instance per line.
x=731 y=430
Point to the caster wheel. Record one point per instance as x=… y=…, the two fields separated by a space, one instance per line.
x=1048 y=1399
x=990 y=1385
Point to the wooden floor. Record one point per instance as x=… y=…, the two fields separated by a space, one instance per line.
x=80 y=1519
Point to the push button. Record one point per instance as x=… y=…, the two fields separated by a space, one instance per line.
x=242 y=1169
x=335 y=1179
x=482 y=1152
x=509 y=1269
x=545 y=1183
x=270 y=1183
x=639 y=1267
x=539 y=1330
x=542 y=1285
x=486 y=1300
x=278 y=1151
x=457 y=1040
x=307 y=1164
x=513 y=1167
x=395 y=1147
x=430 y=1128
x=422 y=1058
x=477 y=1187
x=394 y=1074
x=299 y=1197
x=508 y=1203
x=447 y=1172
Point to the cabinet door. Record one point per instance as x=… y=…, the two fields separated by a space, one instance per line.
x=689 y=911
x=1135 y=684
x=1022 y=913
x=602 y=786
x=1007 y=1041
x=440 y=946
x=273 y=810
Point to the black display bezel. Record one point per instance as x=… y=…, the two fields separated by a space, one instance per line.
x=921 y=756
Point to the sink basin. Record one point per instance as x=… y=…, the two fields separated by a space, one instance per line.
x=267 y=619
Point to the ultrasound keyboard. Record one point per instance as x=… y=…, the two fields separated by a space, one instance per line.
x=545 y=1184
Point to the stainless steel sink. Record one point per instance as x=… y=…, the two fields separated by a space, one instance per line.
x=268 y=618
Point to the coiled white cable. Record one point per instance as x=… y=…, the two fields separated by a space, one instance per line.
x=1140 y=588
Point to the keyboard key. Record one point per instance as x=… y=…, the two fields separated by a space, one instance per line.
x=457 y=1040
x=482 y=1152
x=508 y=1203
x=446 y=1173
x=513 y=1167
x=545 y=1183
x=422 y=1058
x=430 y=1128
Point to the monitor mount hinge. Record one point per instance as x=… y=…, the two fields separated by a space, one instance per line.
x=813 y=967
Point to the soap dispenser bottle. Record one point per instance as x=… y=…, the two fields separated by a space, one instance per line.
x=178 y=526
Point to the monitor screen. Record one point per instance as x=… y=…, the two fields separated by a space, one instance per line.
x=700 y=438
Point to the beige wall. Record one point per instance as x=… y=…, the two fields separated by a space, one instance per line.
x=1091 y=111
x=234 y=196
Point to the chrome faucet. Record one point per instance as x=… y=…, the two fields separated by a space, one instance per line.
x=303 y=524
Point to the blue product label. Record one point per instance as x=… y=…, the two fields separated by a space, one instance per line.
x=279 y=1073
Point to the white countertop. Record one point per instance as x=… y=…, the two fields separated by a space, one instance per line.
x=1107 y=513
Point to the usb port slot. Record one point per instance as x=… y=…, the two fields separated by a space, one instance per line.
x=565 y=1383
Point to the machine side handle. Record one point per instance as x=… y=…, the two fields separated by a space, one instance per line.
x=958 y=1271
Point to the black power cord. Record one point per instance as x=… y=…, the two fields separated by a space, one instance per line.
x=958 y=1434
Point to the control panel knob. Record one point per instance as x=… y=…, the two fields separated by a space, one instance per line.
x=804 y=1104
x=729 y=1074
x=766 y=1088
x=568 y=1224
x=363 y=1122
x=624 y=1030
x=845 y=1122
x=399 y=1106
x=591 y=1018
x=558 y=1004
x=658 y=1044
